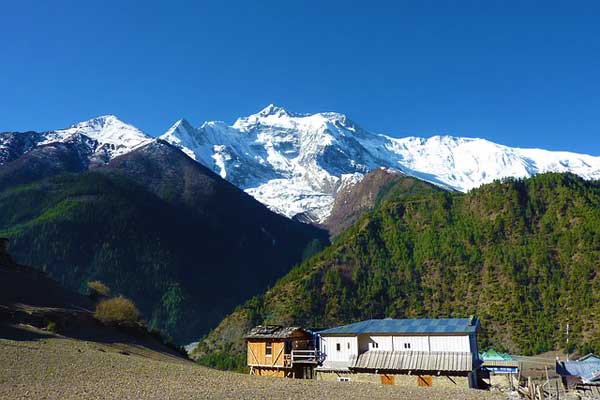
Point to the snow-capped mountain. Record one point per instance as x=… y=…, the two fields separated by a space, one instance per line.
x=297 y=163
x=102 y=138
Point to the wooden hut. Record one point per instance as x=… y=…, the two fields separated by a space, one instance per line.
x=275 y=350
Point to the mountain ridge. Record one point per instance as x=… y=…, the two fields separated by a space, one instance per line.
x=296 y=164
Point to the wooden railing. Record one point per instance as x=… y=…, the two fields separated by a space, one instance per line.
x=306 y=356
x=303 y=357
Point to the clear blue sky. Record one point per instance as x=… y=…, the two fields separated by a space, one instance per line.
x=515 y=72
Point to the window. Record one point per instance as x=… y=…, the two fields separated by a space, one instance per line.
x=344 y=379
x=375 y=345
x=348 y=345
x=338 y=347
x=269 y=349
x=407 y=345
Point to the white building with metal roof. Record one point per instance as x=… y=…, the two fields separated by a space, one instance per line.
x=422 y=352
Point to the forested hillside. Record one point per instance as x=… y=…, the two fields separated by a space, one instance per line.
x=184 y=244
x=523 y=255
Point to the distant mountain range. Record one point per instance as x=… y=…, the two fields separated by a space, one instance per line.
x=296 y=164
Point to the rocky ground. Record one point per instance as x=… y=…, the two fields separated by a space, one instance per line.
x=37 y=365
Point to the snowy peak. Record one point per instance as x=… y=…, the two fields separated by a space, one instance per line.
x=297 y=164
x=107 y=129
x=185 y=137
x=103 y=138
x=273 y=110
x=182 y=125
x=270 y=115
x=180 y=129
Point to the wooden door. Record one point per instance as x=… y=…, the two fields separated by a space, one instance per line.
x=424 y=380
x=387 y=379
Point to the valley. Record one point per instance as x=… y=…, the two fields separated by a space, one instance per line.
x=52 y=367
x=291 y=219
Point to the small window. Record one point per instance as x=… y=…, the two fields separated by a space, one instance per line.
x=269 y=349
x=338 y=346
x=407 y=345
x=344 y=379
x=375 y=345
x=348 y=345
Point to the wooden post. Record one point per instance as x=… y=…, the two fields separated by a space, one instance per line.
x=530 y=389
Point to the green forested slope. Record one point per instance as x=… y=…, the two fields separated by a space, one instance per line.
x=523 y=255
x=184 y=269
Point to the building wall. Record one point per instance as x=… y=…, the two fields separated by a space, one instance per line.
x=261 y=371
x=450 y=343
x=461 y=343
x=382 y=343
x=416 y=343
x=257 y=353
x=348 y=347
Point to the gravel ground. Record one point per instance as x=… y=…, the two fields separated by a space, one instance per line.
x=62 y=368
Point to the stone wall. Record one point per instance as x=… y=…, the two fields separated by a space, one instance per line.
x=399 y=379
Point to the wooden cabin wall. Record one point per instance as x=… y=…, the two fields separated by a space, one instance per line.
x=269 y=372
x=257 y=356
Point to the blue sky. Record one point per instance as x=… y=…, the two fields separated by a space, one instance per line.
x=519 y=73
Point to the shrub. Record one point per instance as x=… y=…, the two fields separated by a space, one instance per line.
x=98 y=289
x=51 y=327
x=117 y=310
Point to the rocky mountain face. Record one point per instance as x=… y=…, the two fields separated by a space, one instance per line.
x=297 y=164
x=377 y=186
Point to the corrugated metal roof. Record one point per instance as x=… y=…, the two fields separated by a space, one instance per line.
x=589 y=357
x=433 y=361
x=588 y=371
x=440 y=326
x=492 y=354
x=272 y=332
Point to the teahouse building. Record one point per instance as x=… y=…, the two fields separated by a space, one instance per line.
x=275 y=350
x=415 y=352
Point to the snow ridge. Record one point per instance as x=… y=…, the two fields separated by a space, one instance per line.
x=297 y=163
x=102 y=138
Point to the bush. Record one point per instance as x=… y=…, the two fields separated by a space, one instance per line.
x=98 y=289
x=51 y=327
x=117 y=310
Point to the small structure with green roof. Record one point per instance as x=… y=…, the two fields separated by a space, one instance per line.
x=498 y=363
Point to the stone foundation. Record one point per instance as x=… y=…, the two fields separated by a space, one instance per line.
x=397 y=379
